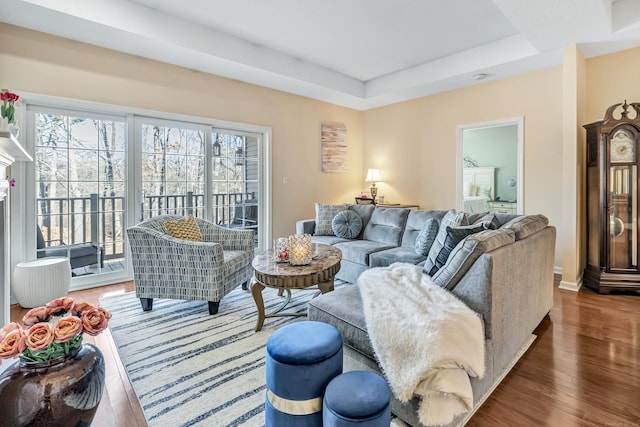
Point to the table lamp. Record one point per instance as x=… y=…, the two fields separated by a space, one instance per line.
x=373 y=175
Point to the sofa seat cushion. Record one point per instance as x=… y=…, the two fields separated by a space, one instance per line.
x=389 y=256
x=386 y=226
x=358 y=251
x=328 y=240
x=342 y=308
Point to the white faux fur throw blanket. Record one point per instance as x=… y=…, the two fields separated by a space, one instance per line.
x=427 y=341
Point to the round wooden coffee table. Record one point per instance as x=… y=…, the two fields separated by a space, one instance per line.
x=284 y=277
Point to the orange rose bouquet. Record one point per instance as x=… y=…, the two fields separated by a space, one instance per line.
x=52 y=330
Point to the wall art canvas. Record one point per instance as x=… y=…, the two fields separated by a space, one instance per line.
x=334 y=147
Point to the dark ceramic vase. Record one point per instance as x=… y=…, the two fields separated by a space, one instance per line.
x=61 y=392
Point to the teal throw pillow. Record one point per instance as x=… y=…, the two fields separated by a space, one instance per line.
x=346 y=224
x=427 y=236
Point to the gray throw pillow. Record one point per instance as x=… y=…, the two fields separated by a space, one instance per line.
x=490 y=220
x=324 y=217
x=346 y=224
x=454 y=236
x=450 y=219
x=427 y=236
x=465 y=254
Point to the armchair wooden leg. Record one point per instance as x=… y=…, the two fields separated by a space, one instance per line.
x=147 y=304
x=213 y=307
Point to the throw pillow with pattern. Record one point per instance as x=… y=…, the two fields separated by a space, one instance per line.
x=347 y=224
x=450 y=219
x=427 y=236
x=490 y=220
x=454 y=236
x=324 y=218
x=185 y=229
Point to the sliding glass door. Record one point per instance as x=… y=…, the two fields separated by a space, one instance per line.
x=188 y=169
x=80 y=176
x=172 y=167
x=235 y=179
x=95 y=174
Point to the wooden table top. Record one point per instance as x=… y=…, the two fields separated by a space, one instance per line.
x=324 y=265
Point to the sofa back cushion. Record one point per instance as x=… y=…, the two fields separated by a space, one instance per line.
x=386 y=225
x=365 y=212
x=526 y=225
x=467 y=252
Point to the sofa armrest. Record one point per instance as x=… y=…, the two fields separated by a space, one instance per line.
x=306 y=226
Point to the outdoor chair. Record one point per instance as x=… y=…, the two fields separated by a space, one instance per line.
x=245 y=215
x=80 y=255
x=168 y=267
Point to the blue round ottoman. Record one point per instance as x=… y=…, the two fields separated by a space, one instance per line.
x=301 y=360
x=357 y=398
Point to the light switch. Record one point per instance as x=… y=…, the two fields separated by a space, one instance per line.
x=285 y=180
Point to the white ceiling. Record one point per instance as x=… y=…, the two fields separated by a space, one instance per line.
x=357 y=53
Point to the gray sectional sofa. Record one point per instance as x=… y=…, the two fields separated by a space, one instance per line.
x=509 y=283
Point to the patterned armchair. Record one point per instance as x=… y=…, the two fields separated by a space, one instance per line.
x=168 y=267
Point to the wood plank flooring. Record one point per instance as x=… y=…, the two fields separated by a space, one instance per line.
x=583 y=370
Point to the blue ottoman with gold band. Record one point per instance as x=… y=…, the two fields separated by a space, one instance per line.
x=357 y=398
x=301 y=360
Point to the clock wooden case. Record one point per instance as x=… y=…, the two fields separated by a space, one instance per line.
x=612 y=200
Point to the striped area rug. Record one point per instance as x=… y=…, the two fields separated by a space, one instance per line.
x=189 y=368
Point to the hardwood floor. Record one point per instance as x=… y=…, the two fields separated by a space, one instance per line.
x=583 y=370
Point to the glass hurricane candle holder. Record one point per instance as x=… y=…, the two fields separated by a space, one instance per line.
x=281 y=249
x=300 y=249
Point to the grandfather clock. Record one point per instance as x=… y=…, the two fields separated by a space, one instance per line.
x=612 y=200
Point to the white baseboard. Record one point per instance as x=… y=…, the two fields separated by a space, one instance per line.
x=557 y=270
x=571 y=286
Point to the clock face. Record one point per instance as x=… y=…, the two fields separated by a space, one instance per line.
x=623 y=147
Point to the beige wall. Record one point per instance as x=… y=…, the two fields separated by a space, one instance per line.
x=610 y=80
x=414 y=142
x=38 y=63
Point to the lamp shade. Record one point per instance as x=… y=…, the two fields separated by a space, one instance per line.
x=373 y=175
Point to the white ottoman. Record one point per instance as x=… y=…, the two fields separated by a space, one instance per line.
x=39 y=281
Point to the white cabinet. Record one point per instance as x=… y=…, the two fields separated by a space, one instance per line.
x=502 y=207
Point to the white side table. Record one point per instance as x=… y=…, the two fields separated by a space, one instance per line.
x=41 y=280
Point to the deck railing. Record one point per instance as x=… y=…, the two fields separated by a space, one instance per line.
x=101 y=219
